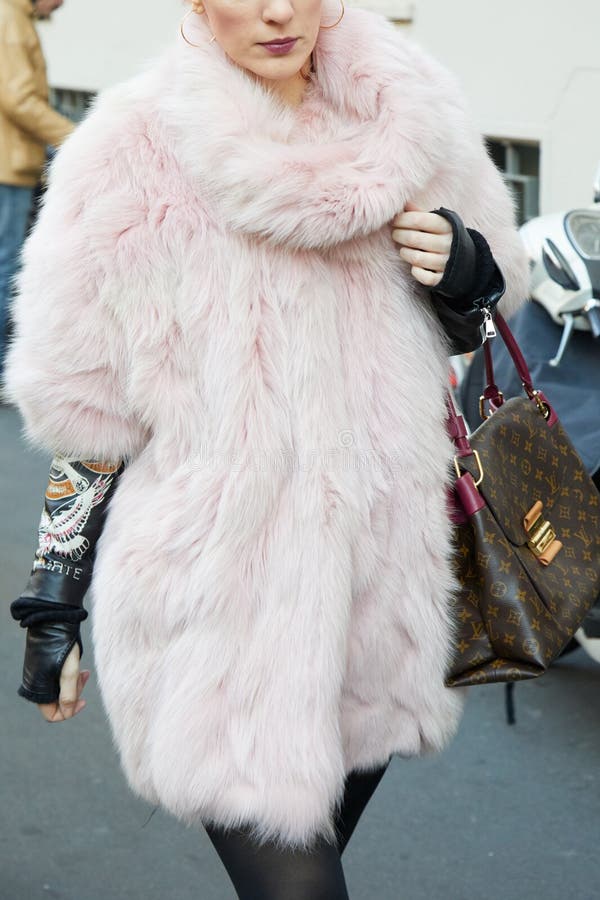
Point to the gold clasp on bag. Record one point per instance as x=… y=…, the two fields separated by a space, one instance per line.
x=542 y=536
x=543 y=408
x=479 y=467
x=482 y=400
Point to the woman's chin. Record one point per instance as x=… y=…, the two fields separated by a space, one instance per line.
x=276 y=68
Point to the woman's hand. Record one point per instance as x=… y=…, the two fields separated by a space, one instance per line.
x=72 y=683
x=425 y=240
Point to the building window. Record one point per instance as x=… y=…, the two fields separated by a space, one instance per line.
x=519 y=163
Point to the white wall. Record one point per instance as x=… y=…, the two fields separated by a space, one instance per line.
x=531 y=68
x=90 y=45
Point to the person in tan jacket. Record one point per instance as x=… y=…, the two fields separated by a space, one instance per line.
x=27 y=125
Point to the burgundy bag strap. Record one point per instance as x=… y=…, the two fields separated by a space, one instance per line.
x=491 y=391
x=455 y=423
x=456 y=428
x=516 y=356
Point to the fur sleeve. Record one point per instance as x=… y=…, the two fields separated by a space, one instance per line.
x=484 y=203
x=67 y=365
x=469 y=183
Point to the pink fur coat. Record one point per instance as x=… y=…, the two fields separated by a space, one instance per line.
x=212 y=291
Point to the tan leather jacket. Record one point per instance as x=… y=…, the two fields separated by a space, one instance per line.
x=27 y=121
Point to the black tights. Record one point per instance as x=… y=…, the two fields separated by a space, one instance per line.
x=265 y=872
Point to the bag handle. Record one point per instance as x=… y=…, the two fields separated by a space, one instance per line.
x=491 y=391
x=455 y=423
x=515 y=352
x=457 y=429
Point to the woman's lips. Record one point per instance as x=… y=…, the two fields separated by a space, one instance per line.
x=281 y=46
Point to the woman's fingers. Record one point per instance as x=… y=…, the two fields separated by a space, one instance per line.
x=52 y=712
x=422 y=221
x=425 y=241
x=48 y=710
x=72 y=683
x=422 y=240
x=434 y=261
x=69 y=684
x=69 y=701
x=61 y=711
x=424 y=276
x=70 y=704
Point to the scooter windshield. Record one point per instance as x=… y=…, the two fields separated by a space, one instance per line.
x=583 y=230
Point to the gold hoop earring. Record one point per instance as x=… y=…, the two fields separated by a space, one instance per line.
x=325 y=27
x=181 y=29
x=309 y=76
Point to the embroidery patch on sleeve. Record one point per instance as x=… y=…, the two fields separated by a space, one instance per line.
x=74 y=489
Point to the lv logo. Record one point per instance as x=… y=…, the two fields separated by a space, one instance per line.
x=541 y=535
x=584 y=536
x=477 y=629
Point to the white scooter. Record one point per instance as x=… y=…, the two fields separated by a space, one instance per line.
x=564 y=250
x=560 y=338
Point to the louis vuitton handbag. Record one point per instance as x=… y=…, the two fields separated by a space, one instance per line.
x=527 y=535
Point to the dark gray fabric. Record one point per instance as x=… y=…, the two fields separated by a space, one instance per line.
x=573 y=388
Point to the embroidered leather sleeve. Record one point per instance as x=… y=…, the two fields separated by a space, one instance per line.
x=472 y=282
x=51 y=605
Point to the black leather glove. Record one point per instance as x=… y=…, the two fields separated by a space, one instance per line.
x=51 y=606
x=471 y=287
x=46 y=649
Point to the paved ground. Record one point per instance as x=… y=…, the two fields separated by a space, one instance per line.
x=505 y=814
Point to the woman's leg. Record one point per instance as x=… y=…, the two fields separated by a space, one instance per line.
x=266 y=872
x=360 y=787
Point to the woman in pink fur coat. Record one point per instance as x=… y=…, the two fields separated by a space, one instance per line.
x=233 y=319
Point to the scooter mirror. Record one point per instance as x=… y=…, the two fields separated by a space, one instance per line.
x=558 y=268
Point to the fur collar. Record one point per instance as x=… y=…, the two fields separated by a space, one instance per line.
x=364 y=140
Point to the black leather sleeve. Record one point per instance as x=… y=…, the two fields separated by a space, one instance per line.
x=51 y=605
x=472 y=283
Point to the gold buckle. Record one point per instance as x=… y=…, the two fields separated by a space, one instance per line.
x=482 y=400
x=479 y=467
x=542 y=536
x=542 y=407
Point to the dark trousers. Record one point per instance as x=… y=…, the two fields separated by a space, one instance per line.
x=15 y=208
x=265 y=872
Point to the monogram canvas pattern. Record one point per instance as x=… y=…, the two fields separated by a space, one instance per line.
x=514 y=615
